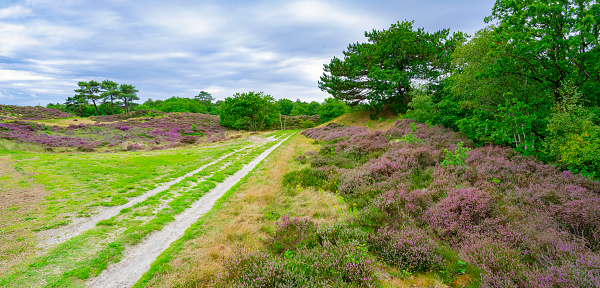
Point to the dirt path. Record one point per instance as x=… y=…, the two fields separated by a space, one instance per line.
x=138 y=259
x=80 y=225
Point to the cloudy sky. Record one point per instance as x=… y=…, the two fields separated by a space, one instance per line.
x=177 y=48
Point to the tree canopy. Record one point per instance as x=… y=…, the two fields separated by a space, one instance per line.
x=380 y=72
x=249 y=111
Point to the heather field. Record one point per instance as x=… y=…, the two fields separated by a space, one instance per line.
x=64 y=217
x=52 y=130
x=385 y=203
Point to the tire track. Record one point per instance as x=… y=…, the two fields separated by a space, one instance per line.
x=138 y=259
x=80 y=225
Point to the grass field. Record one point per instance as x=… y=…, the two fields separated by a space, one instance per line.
x=46 y=192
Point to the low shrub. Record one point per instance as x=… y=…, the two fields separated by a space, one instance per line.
x=410 y=249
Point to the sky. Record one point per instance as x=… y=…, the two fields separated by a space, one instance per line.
x=179 y=48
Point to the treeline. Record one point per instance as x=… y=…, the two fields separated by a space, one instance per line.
x=258 y=111
x=529 y=80
x=99 y=98
x=109 y=98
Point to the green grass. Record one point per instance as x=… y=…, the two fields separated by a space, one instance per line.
x=108 y=181
x=161 y=265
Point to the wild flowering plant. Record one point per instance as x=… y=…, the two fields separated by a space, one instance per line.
x=521 y=223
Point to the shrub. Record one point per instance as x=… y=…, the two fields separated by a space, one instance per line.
x=307 y=124
x=134 y=147
x=332 y=108
x=456 y=158
x=189 y=139
x=292 y=234
x=422 y=107
x=461 y=211
x=252 y=269
x=409 y=250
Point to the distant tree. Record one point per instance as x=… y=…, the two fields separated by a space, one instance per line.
x=300 y=108
x=128 y=94
x=76 y=104
x=332 y=108
x=90 y=91
x=204 y=98
x=251 y=111
x=313 y=108
x=285 y=106
x=110 y=90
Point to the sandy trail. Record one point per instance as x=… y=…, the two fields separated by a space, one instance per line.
x=80 y=225
x=138 y=259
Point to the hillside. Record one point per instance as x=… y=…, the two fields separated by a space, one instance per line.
x=384 y=203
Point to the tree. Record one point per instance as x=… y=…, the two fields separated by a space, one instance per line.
x=285 y=106
x=204 y=98
x=251 y=111
x=503 y=106
x=89 y=91
x=332 y=108
x=76 y=104
x=128 y=94
x=110 y=90
x=422 y=107
x=554 y=40
x=382 y=70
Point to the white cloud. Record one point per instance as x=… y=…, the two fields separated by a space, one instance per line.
x=18 y=75
x=14 y=12
x=6 y=95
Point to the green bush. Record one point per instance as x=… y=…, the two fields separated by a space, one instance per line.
x=573 y=137
x=422 y=106
x=456 y=158
x=332 y=108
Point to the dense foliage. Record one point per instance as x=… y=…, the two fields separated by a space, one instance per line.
x=426 y=200
x=249 y=111
x=505 y=85
x=332 y=108
x=382 y=70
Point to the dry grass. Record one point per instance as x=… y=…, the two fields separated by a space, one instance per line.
x=243 y=221
x=361 y=119
x=67 y=121
x=19 y=200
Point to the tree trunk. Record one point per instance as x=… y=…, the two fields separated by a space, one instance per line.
x=126 y=105
x=112 y=104
x=97 y=111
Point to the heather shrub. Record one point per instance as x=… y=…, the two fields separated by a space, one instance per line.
x=252 y=269
x=461 y=211
x=293 y=234
x=410 y=249
x=493 y=257
x=329 y=265
x=520 y=222
x=85 y=148
x=352 y=180
x=134 y=147
x=189 y=139
x=371 y=218
x=340 y=233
